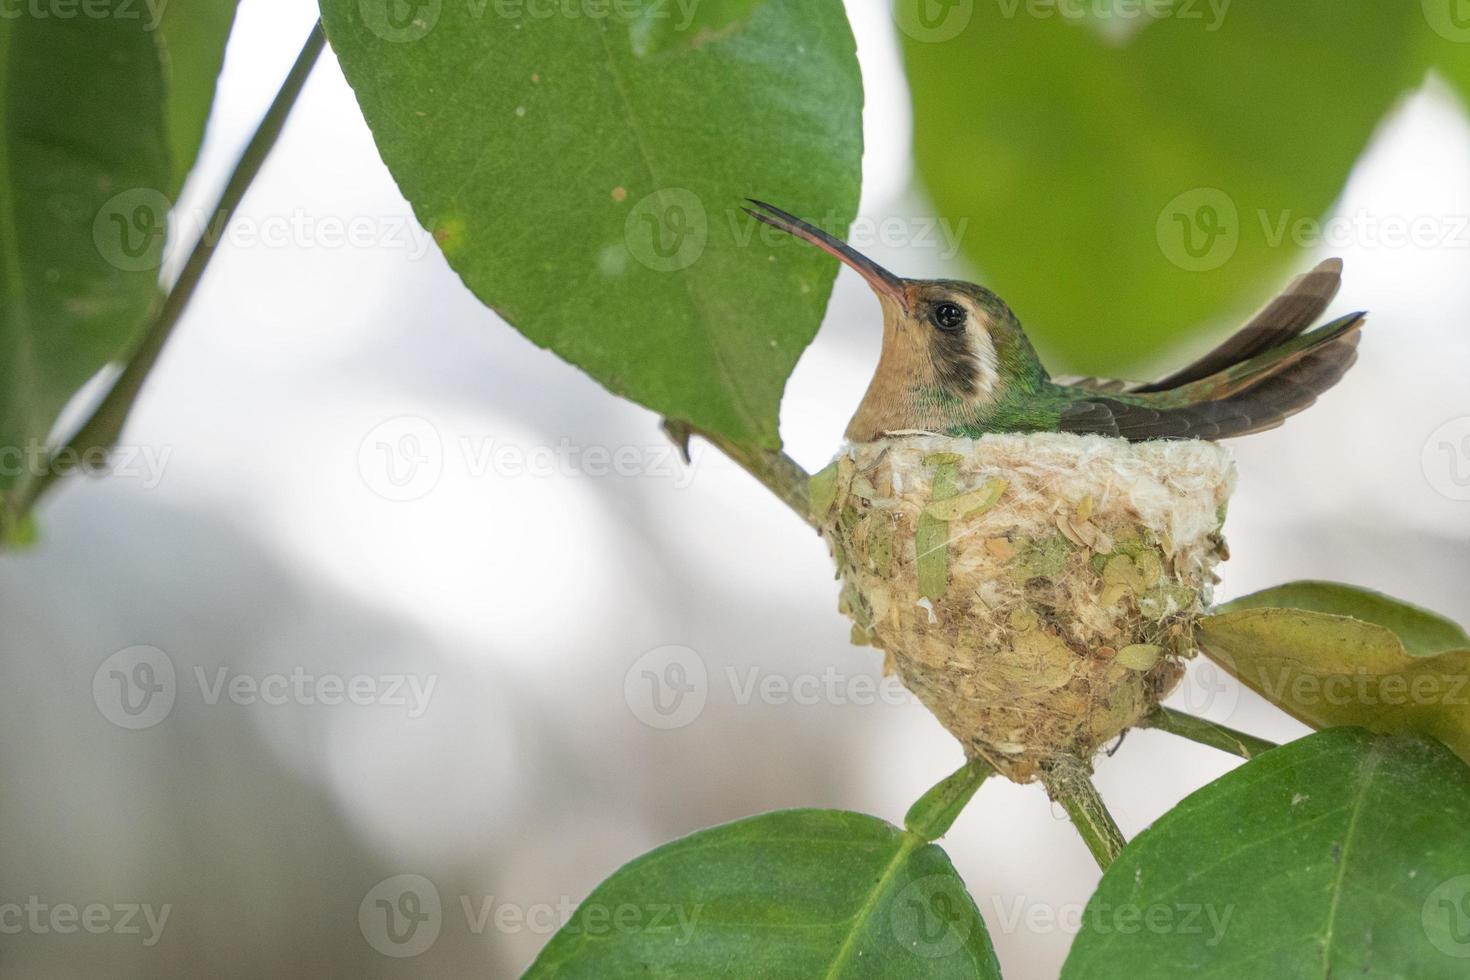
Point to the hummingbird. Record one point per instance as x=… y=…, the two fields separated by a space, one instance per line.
x=955 y=361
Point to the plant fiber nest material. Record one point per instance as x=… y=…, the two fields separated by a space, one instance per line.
x=1037 y=592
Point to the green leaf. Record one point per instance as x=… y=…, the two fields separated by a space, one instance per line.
x=592 y=195
x=1124 y=193
x=1421 y=632
x=1334 y=654
x=83 y=156
x=192 y=36
x=663 y=24
x=1445 y=29
x=1340 y=855
x=798 y=894
x=100 y=119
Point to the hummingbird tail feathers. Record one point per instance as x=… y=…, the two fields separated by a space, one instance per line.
x=1246 y=396
x=1282 y=319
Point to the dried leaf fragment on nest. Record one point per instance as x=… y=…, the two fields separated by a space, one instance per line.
x=1139 y=656
x=1135 y=573
x=970 y=503
x=1084 y=534
x=822 y=490
x=931 y=537
x=1000 y=547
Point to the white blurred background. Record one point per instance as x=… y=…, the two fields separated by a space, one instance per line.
x=520 y=771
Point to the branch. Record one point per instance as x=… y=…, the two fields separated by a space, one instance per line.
x=933 y=813
x=101 y=429
x=1068 y=784
x=1207 y=733
x=780 y=474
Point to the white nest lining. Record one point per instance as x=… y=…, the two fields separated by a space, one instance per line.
x=1174 y=487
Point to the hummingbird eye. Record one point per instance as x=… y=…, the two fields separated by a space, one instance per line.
x=947 y=316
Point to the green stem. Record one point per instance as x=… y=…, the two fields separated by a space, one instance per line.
x=1207 y=733
x=1069 y=785
x=101 y=429
x=778 y=472
x=934 y=813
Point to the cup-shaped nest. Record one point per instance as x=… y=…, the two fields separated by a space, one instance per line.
x=1037 y=592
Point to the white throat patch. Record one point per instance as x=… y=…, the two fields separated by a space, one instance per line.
x=987 y=375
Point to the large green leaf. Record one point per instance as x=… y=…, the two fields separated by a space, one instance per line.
x=1340 y=855
x=1123 y=193
x=592 y=195
x=1421 y=632
x=100 y=119
x=798 y=894
x=659 y=25
x=1334 y=654
x=192 y=36
x=83 y=161
x=1446 y=31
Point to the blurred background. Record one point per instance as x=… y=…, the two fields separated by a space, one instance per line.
x=386 y=590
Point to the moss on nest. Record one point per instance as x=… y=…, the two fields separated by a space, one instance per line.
x=1039 y=592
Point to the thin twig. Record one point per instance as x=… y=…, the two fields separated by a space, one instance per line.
x=1207 y=733
x=1068 y=784
x=102 y=428
x=779 y=473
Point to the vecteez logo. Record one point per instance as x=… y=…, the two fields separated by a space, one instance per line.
x=138 y=687
x=401 y=916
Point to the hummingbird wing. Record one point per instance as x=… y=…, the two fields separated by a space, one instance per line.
x=1249 y=395
x=1103 y=386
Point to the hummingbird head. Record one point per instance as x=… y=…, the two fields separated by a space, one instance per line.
x=947 y=344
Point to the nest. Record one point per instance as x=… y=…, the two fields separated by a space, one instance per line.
x=1037 y=592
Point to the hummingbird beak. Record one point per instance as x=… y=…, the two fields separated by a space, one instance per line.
x=883 y=282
